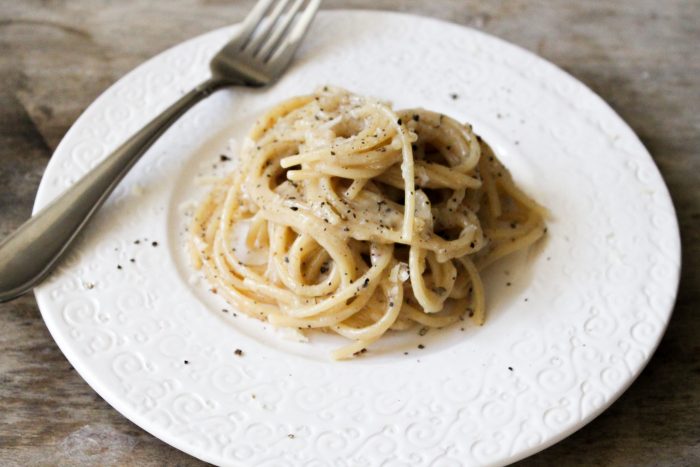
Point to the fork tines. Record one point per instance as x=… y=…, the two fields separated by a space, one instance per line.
x=272 y=23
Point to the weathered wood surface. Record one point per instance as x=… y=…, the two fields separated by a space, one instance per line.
x=56 y=56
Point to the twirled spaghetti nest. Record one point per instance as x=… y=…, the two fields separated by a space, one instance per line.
x=350 y=217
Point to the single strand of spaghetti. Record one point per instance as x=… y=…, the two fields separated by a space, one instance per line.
x=440 y=176
x=474 y=155
x=429 y=300
x=197 y=229
x=347 y=172
x=257 y=231
x=315 y=195
x=383 y=156
x=407 y=174
x=492 y=198
x=437 y=320
x=443 y=274
x=507 y=247
x=301 y=175
x=353 y=349
x=293 y=257
x=462 y=282
x=355 y=188
x=478 y=296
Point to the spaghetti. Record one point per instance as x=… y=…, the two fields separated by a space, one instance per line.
x=353 y=218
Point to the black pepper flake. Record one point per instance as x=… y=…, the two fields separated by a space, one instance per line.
x=507 y=284
x=238 y=352
x=136 y=242
x=132 y=260
x=513 y=225
x=416 y=117
x=472 y=245
x=454 y=96
x=119 y=266
x=324 y=269
x=332 y=153
x=365 y=283
x=224 y=310
x=187 y=362
x=224 y=158
x=290 y=436
x=405 y=353
x=421 y=346
x=154 y=244
x=391 y=304
x=294 y=208
x=510 y=368
x=423 y=331
x=286 y=259
x=399 y=121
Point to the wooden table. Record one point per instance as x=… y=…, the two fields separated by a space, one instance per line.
x=56 y=57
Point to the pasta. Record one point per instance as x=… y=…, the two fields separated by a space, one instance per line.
x=347 y=216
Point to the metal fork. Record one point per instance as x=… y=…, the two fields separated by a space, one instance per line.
x=257 y=56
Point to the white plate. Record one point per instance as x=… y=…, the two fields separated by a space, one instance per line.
x=575 y=328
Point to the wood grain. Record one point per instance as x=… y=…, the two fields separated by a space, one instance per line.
x=56 y=56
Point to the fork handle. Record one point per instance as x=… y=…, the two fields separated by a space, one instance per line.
x=29 y=253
